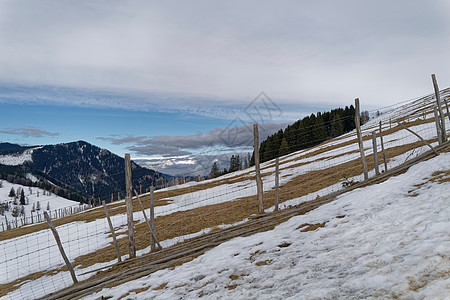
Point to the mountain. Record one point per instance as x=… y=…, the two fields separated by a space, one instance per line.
x=8 y=147
x=78 y=166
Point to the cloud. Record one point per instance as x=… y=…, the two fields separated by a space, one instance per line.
x=188 y=165
x=316 y=51
x=227 y=139
x=29 y=131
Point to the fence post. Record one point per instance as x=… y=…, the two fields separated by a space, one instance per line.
x=61 y=249
x=152 y=216
x=382 y=149
x=375 y=152
x=360 y=141
x=259 y=186
x=113 y=233
x=425 y=142
x=152 y=233
x=438 y=126
x=438 y=102
x=129 y=206
x=277 y=181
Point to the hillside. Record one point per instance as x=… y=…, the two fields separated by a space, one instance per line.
x=76 y=167
x=399 y=209
x=389 y=240
x=33 y=195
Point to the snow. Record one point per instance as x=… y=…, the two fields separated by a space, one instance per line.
x=31 y=194
x=16 y=159
x=378 y=242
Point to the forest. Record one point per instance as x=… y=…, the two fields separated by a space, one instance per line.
x=308 y=132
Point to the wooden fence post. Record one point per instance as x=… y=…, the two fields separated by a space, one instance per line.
x=61 y=249
x=129 y=206
x=360 y=140
x=438 y=103
x=152 y=233
x=375 y=152
x=113 y=233
x=425 y=142
x=152 y=216
x=382 y=149
x=277 y=181
x=438 y=126
x=259 y=186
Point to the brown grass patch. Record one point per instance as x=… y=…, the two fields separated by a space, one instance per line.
x=263 y=262
x=137 y=291
x=310 y=227
x=234 y=277
x=258 y=252
x=162 y=286
x=231 y=287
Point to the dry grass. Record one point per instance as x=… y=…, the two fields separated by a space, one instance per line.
x=263 y=262
x=162 y=286
x=310 y=227
x=231 y=287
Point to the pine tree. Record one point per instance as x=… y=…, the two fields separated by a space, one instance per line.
x=284 y=148
x=48 y=205
x=12 y=192
x=33 y=209
x=22 y=197
x=22 y=210
x=214 y=171
x=38 y=206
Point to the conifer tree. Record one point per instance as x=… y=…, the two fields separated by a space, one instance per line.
x=12 y=192
x=214 y=171
x=48 y=205
x=38 y=206
x=22 y=197
x=284 y=148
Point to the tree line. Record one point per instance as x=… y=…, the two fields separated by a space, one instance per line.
x=304 y=133
x=308 y=132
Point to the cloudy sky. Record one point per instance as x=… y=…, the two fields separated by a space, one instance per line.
x=165 y=78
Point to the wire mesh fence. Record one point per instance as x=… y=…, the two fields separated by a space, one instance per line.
x=33 y=267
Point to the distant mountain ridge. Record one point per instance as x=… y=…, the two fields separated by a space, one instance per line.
x=80 y=166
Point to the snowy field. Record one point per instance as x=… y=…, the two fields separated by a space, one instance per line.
x=33 y=195
x=390 y=240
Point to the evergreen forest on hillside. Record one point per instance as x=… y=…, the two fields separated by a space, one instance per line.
x=308 y=132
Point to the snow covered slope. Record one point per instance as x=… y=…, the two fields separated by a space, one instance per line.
x=390 y=240
x=33 y=195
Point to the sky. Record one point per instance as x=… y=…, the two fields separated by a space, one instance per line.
x=166 y=81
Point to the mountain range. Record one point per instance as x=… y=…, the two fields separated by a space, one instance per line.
x=76 y=170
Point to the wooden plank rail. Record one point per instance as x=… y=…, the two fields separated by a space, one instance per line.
x=135 y=268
